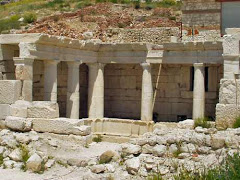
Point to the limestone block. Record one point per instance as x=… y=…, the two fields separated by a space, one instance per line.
x=43 y=109
x=228 y=91
x=61 y=126
x=117 y=127
x=4 y=110
x=18 y=123
x=226 y=115
x=10 y=91
x=34 y=163
x=19 y=109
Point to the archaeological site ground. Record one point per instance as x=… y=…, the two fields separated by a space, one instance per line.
x=119 y=90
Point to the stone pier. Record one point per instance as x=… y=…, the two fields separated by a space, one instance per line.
x=24 y=72
x=199 y=91
x=147 y=93
x=96 y=90
x=50 y=81
x=73 y=98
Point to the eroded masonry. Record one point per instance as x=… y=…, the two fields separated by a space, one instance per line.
x=48 y=77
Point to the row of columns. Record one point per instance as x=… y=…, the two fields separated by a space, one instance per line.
x=24 y=72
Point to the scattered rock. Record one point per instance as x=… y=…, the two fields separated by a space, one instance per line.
x=100 y=168
x=186 y=124
x=106 y=157
x=133 y=165
x=131 y=149
x=16 y=155
x=159 y=150
x=49 y=163
x=34 y=163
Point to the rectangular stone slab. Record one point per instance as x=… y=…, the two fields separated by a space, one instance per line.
x=10 y=91
x=61 y=126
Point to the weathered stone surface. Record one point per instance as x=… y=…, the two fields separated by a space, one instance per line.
x=226 y=115
x=43 y=109
x=10 y=91
x=131 y=149
x=218 y=142
x=186 y=124
x=107 y=156
x=79 y=162
x=133 y=165
x=34 y=163
x=49 y=163
x=100 y=168
x=16 y=155
x=18 y=123
x=4 y=110
x=61 y=126
x=19 y=108
x=159 y=150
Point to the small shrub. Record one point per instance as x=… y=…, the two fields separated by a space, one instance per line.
x=62 y=163
x=1 y=159
x=173 y=18
x=30 y=17
x=237 y=123
x=25 y=155
x=202 y=122
x=155 y=176
x=97 y=139
x=169 y=3
x=10 y=23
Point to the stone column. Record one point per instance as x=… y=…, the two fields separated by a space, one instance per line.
x=73 y=98
x=199 y=91
x=96 y=90
x=24 y=72
x=147 y=93
x=50 y=80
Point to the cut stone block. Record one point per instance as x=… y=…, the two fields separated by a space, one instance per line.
x=19 y=109
x=18 y=123
x=4 y=110
x=43 y=109
x=61 y=126
x=226 y=115
x=10 y=91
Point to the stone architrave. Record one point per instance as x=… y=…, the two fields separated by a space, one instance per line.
x=96 y=90
x=50 y=80
x=24 y=72
x=73 y=98
x=199 y=91
x=147 y=93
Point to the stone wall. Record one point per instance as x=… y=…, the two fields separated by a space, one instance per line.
x=38 y=86
x=151 y=35
x=201 y=20
x=201 y=13
x=172 y=95
x=7 y=68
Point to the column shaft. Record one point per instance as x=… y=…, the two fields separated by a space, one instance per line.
x=73 y=98
x=199 y=91
x=24 y=72
x=147 y=93
x=96 y=90
x=50 y=81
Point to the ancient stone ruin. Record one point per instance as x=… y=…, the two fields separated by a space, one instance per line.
x=57 y=95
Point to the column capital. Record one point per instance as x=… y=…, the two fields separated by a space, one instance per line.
x=146 y=65
x=52 y=62
x=198 y=64
x=73 y=63
x=99 y=65
x=23 y=61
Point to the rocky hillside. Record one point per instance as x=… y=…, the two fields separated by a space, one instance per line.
x=73 y=17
